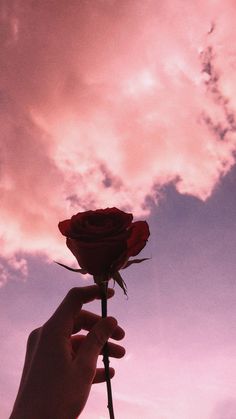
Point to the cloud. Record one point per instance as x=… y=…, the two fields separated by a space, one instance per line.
x=14 y=268
x=104 y=102
x=3 y=275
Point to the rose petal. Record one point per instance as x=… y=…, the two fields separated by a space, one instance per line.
x=139 y=233
x=64 y=227
x=95 y=225
x=96 y=258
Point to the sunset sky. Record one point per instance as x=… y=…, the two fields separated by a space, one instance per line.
x=132 y=104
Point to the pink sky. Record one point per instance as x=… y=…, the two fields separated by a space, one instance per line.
x=130 y=104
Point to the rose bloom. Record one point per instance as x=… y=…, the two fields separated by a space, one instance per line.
x=103 y=240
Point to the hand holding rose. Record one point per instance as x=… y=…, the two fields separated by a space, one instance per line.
x=60 y=365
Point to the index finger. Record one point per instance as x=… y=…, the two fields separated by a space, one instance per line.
x=87 y=320
x=63 y=320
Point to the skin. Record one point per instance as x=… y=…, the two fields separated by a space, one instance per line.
x=60 y=365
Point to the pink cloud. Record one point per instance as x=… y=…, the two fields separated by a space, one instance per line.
x=103 y=103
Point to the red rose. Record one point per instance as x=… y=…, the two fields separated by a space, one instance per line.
x=103 y=240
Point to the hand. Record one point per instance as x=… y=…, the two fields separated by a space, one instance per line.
x=60 y=365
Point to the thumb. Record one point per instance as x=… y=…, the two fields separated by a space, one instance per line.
x=93 y=343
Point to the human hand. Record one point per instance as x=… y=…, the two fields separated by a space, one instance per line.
x=60 y=365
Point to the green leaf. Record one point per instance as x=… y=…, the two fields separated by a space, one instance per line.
x=130 y=262
x=81 y=271
x=118 y=278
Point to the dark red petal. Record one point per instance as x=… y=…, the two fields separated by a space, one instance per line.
x=96 y=258
x=100 y=223
x=72 y=245
x=139 y=233
x=117 y=215
x=64 y=227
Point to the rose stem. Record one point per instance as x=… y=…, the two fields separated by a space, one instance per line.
x=106 y=361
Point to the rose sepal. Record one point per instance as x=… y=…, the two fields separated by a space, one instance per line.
x=81 y=271
x=131 y=261
x=118 y=278
x=101 y=279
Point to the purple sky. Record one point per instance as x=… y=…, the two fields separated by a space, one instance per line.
x=128 y=104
